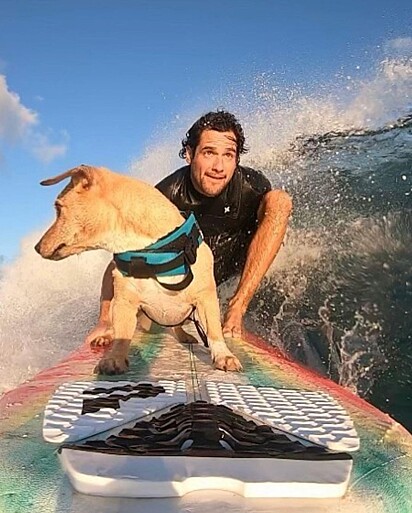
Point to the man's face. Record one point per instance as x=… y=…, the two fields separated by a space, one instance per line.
x=214 y=162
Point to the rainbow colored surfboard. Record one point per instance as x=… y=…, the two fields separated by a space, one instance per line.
x=32 y=478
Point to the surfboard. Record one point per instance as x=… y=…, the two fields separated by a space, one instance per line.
x=52 y=460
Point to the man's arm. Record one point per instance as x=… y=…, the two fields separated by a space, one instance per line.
x=107 y=293
x=273 y=215
x=102 y=333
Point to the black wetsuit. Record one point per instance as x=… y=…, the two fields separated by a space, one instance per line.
x=228 y=221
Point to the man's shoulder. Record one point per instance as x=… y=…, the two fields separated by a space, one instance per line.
x=255 y=179
x=172 y=182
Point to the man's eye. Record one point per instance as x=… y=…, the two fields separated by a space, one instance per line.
x=230 y=155
x=208 y=153
x=58 y=207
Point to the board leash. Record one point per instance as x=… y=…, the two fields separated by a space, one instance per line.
x=196 y=389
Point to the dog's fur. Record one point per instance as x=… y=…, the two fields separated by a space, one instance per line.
x=100 y=209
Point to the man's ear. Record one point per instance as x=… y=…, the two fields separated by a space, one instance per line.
x=189 y=155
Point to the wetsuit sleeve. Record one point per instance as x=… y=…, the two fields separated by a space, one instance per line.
x=172 y=184
x=167 y=187
x=257 y=181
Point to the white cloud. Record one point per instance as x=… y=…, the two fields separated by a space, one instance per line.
x=20 y=125
x=15 y=118
x=46 y=151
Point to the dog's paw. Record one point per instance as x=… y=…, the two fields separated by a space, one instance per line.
x=112 y=365
x=101 y=341
x=227 y=363
x=100 y=336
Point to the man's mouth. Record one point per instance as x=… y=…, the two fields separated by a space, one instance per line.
x=216 y=177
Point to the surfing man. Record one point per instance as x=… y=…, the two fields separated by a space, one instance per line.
x=242 y=219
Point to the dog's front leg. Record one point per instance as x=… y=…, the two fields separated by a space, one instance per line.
x=125 y=306
x=209 y=313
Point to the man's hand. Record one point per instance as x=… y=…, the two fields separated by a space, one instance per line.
x=101 y=335
x=232 y=325
x=273 y=215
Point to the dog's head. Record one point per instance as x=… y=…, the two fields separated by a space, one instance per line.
x=79 y=217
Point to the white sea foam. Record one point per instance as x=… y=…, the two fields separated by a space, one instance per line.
x=46 y=309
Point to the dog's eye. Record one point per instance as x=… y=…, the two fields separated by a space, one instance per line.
x=58 y=207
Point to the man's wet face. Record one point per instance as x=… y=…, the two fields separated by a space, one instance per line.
x=214 y=162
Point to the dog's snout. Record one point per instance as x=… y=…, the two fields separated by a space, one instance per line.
x=46 y=250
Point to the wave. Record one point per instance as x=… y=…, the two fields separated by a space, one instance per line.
x=343 y=302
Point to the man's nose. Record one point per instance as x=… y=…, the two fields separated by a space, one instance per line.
x=218 y=163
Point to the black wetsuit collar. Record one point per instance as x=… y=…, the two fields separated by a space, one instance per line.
x=226 y=204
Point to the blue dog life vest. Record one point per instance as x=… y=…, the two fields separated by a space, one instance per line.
x=171 y=255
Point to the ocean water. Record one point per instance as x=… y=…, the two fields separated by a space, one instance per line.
x=338 y=296
x=346 y=308
x=340 y=292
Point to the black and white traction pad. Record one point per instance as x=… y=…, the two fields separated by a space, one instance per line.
x=154 y=439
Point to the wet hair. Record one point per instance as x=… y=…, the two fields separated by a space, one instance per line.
x=221 y=121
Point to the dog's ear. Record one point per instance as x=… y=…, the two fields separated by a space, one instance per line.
x=82 y=174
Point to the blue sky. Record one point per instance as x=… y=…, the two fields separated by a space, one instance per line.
x=99 y=81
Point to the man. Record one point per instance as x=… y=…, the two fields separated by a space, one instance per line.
x=242 y=219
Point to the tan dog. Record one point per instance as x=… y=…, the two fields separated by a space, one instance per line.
x=100 y=209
